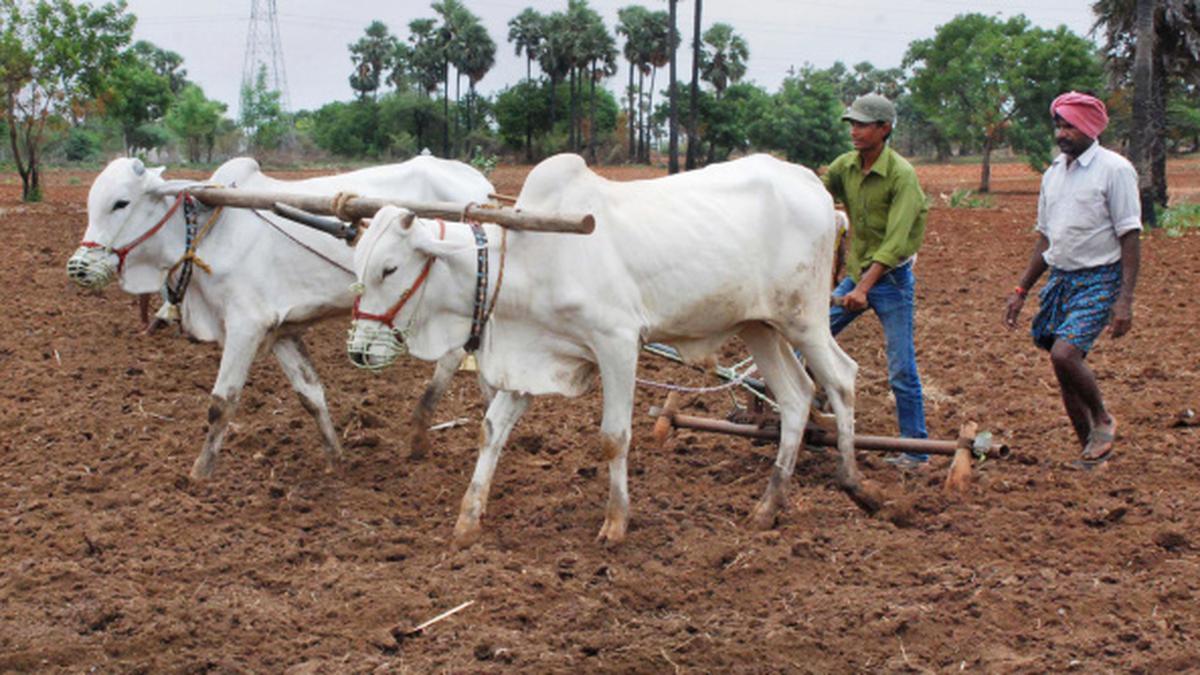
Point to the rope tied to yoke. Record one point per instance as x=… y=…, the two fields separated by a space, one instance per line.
x=340 y=206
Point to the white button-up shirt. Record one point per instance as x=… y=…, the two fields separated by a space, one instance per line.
x=1084 y=209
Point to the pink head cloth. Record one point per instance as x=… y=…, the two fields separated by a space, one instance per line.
x=1085 y=113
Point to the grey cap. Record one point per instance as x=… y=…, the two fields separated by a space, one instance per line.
x=871 y=108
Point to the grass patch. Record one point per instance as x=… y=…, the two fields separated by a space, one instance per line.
x=962 y=198
x=1177 y=219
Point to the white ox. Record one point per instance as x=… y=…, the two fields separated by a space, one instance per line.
x=268 y=280
x=743 y=248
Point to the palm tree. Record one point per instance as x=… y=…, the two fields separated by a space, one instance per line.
x=672 y=118
x=661 y=41
x=1143 y=98
x=402 y=67
x=479 y=55
x=526 y=32
x=454 y=17
x=372 y=55
x=632 y=23
x=695 y=92
x=725 y=64
x=425 y=58
x=554 y=57
x=600 y=51
x=592 y=53
x=577 y=20
x=1175 y=53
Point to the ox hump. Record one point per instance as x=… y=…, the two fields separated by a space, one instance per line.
x=236 y=171
x=552 y=175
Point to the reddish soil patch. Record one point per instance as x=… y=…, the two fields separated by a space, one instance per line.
x=111 y=559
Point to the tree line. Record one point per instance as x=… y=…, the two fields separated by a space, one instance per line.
x=74 y=87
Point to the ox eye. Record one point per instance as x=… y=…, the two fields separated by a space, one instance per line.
x=388 y=271
x=121 y=203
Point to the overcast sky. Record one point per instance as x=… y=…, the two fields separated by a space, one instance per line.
x=211 y=35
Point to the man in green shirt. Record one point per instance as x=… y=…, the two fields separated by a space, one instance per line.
x=887 y=210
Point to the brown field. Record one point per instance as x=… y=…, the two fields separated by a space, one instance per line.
x=111 y=560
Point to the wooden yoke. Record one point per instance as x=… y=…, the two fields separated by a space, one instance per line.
x=350 y=208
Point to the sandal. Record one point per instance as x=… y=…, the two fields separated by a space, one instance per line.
x=1098 y=450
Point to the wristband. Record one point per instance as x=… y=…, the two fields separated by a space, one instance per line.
x=1020 y=291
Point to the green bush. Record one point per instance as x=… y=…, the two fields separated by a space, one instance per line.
x=962 y=198
x=1179 y=218
x=484 y=163
x=82 y=145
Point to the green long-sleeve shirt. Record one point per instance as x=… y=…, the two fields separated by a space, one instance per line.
x=886 y=206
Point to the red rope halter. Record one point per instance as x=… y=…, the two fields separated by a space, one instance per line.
x=124 y=250
x=388 y=318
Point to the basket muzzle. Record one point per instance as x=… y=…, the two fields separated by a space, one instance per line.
x=372 y=345
x=92 y=267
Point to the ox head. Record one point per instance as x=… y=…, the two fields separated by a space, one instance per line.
x=392 y=261
x=125 y=202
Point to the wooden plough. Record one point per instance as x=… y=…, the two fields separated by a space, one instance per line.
x=970 y=442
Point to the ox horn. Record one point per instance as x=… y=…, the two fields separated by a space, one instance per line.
x=173 y=187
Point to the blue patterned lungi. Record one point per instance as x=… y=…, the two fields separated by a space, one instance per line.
x=1076 y=305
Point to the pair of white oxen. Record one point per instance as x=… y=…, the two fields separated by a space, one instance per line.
x=741 y=248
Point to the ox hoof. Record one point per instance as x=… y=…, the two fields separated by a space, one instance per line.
x=418 y=447
x=612 y=533
x=203 y=467
x=466 y=533
x=764 y=515
x=868 y=495
x=333 y=465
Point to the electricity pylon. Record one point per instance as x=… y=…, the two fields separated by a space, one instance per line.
x=264 y=49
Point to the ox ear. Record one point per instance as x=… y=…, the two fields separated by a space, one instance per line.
x=422 y=237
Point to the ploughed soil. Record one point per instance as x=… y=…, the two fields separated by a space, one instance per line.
x=112 y=560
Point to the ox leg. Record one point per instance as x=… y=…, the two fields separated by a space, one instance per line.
x=422 y=415
x=506 y=408
x=793 y=392
x=618 y=373
x=143 y=303
x=836 y=372
x=239 y=352
x=298 y=367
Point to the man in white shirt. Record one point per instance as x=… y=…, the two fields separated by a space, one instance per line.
x=1089 y=223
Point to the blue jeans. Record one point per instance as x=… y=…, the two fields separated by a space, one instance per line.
x=892 y=298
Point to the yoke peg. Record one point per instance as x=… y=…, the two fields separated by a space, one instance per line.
x=959 y=478
x=665 y=424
